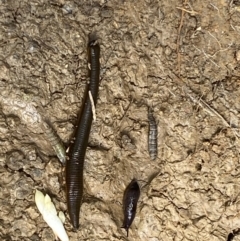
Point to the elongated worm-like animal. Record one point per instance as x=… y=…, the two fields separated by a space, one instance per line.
x=130 y=199
x=152 y=135
x=75 y=163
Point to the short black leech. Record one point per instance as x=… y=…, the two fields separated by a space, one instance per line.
x=130 y=199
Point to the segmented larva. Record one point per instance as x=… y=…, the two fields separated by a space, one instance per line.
x=55 y=141
x=75 y=163
x=130 y=199
x=152 y=136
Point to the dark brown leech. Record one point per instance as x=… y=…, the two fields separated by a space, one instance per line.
x=234 y=233
x=130 y=199
x=74 y=166
x=152 y=136
x=230 y=237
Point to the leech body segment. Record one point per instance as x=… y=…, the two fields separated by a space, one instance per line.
x=76 y=155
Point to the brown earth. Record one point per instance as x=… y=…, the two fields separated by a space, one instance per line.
x=179 y=57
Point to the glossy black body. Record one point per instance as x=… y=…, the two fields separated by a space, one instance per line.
x=75 y=162
x=152 y=135
x=230 y=237
x=130 y=199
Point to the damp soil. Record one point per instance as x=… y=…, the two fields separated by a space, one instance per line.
x=181 y=58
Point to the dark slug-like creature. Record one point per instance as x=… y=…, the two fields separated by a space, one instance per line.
x=234 y=233
x=230 y=237
x=75 y=162
x=130 y=199
x=152 y=136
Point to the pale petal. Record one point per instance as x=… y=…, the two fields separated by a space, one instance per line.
x=56 y=225
x=47 y=199
x=49 y=206
x=61 y=216
x=40 y=201
x=49 y=213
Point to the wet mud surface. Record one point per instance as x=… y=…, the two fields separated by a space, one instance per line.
x=181 y=58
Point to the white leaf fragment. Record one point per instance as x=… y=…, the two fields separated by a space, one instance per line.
x=49 y=213
x=61 y=216
x=39 y=200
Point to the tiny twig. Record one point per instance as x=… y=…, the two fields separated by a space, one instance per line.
x=212 y=112
x=215 y=7
x=179 y=39
x=215 y=39
x=206 y=55
x=209 y=57
x=208 y=108
x=93 y=106
x=204 y=105
x=192 y=12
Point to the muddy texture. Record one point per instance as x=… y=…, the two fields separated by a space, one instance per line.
x=181 y=58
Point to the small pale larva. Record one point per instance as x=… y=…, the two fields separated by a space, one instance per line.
x=55 y=141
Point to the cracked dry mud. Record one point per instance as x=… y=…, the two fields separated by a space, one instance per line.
x=179 y=57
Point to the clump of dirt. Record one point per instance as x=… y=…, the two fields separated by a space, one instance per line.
x=181 y=58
